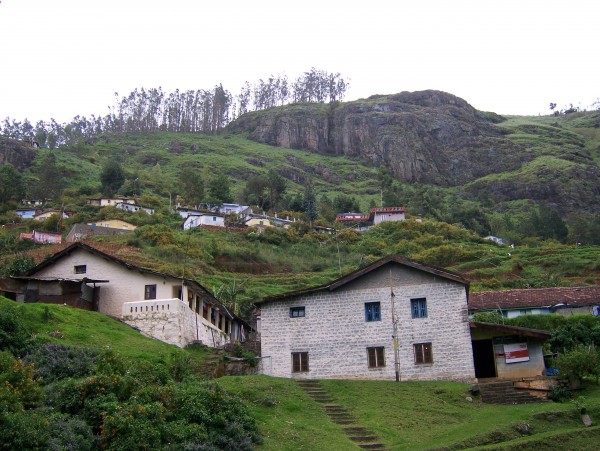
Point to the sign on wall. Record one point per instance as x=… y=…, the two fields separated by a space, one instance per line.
x=516 y=352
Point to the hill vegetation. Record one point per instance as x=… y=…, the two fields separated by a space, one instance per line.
x=86 y=381
x=531 y=180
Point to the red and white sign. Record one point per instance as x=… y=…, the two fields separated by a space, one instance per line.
x=516 y=352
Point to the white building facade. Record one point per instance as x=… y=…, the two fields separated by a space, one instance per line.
x=174 y=310
x=346 y=329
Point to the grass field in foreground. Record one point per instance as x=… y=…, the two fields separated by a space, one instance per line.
x=411 y=416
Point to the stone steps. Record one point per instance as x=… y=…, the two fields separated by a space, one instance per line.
x=339 y=415
x=504 y=392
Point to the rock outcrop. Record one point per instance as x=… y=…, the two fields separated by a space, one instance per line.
x=16 y=153
x=425 y=137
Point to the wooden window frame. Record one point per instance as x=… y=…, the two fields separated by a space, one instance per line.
x=372 y=311
x=376 y=357
x=297 y=312
x=80 y=269
x=300 y=362
x=423 y=353
x=418 y=308
x=149 y=292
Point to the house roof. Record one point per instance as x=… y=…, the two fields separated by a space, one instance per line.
x=79 y=245
x=513 y=330
x=367 y=269
x=534 y=297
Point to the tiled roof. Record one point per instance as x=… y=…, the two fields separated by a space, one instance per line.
x=534 y=297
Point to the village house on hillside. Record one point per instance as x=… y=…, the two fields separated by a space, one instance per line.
x=537 y=301
x=111 y=201
x=172 y=309
x=48 y=213
x=27 y=213
x=346 y=329
x=203 y=219
x=376 y=216
x=42 y=237
x=80 y=232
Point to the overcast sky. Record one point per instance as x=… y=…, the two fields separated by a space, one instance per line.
x=61 y=58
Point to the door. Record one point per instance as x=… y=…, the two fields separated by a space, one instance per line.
x=484 y=359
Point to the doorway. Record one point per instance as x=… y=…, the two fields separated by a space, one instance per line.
x=484 y=359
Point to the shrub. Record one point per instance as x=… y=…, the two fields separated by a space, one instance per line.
x=134 y=426
x=17 y=382
x=579 y=362
x=559 y=393
x=13 y=335
x=70 y=434
x=24 y=430
x=55 y=361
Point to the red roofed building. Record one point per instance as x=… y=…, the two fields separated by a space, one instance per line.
x=375 y=216
x=537 y=301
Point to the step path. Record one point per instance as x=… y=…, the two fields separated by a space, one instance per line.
x=339 y=415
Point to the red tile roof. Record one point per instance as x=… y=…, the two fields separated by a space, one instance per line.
x=534 y=297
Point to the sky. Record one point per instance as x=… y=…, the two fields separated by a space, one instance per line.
x=62 y=58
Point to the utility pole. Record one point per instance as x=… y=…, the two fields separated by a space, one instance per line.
x=395 y=331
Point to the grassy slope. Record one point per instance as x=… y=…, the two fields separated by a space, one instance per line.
x=66 y=325
x=408 y=415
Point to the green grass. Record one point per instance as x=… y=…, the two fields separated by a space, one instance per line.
x=406 y=415
x=71 y=326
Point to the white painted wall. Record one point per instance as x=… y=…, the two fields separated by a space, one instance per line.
x=125 y=285
x=171 y=321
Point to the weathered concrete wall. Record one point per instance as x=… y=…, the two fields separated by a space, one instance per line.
x=171 y=321
x=125 y=285
x=336 y=336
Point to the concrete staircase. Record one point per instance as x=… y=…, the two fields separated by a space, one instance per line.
x=505 y=392
x=339 y=415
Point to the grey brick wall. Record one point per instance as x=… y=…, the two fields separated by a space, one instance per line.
x=336 y=336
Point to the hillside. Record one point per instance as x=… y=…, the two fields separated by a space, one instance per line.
x=436 y=138
x=532 y=180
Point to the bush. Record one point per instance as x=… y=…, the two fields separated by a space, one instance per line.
x=70 y=434
x=13 y=335
x=24 y=430
x=579 y=362
x=17 y=384
x=55 y=361
x=560 y=393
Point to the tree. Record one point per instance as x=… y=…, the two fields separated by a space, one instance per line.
x=255 y=192
x=111 y=177
x=219 y=190
x=192 y=186
x=12 y=186
x=50 y=179
x=309 y=202
x=276 y=185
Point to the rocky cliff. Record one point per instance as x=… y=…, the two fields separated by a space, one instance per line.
x=14 y=152
x=426 y=136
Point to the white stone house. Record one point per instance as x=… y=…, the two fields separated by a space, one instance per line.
x=133 y=208
x=209 y=219
x=172 y=309
x=111 y=201
x=346 y=329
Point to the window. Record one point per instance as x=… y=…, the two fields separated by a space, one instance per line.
x=376 y=357
x=372 y=311
x=418 y=307
x=423 y=353
x=297 y=312
x=80 y=269
x=150 y=292
x=299 y=362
